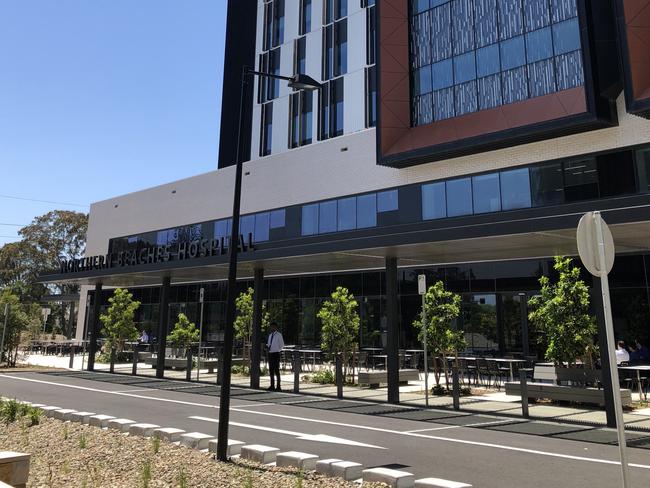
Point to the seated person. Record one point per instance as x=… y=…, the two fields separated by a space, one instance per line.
x=622 y=356
x=643 y=351
x=635 y=355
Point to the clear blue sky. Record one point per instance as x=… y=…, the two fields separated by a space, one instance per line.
x=104 y=97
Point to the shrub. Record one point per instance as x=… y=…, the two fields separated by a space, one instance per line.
x=145 y=473
x=323 y=377
x=10 y=410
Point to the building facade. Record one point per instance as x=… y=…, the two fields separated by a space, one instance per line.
x=461 y=139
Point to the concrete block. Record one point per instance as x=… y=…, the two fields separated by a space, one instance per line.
x=347 y=470
x=168 y=434
x=121 y=425
x=81 y=417
x=324 y=466
x=259 y=453
x=142 y=430
x=234 y=447
x=439 y=483
x=38 y=405
x=60 y=414
x=196 y=440
x=100 y=420
x=48 y=411
x=390 y=477
x=300 y=460
x=14 y=468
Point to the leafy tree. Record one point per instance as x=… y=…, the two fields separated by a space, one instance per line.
x=561 y=315
x=442 y=307
x=184 y=333
x=19 y=318
x=244 y=321
x=340 y=319
x=119 y=324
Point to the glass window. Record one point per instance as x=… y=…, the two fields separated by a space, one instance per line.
x=443 y=74
x=464 y=68
x=366 y=211
x=387 y=201
x=515 y=189
x=513 y=53
x=487 y=193
x=277 y=219
x=487 y=60
x=643 y=169
x=371 y=96
x=347 y=213
x=563 y=9
x=267 y=129
x=327 y=217
x=247 y=225
x=222 y=228
x=459 y=197
x=434 y=204
x=419 y=6
x=310 y=219
x=422 y=81
x=580 y=180
x=566 y=36
x=341 y=47
x=305 y=16
x=262 y=226
x=539 y=45
x=536 y=14
x=547 y=184
x=511 y=21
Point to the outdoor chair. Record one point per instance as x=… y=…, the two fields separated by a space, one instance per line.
x=483 y=372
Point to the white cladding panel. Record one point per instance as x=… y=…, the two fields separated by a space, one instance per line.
x=280 y=124
x=356 y=41
x=314 y=54
x=355 y=101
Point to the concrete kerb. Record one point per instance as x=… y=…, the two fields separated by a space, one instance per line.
x=439 y=483
x=100 y=420
x=81 y=417
x=169 y=434
x=390 y=477
x=121 y=425
x=48 y=411
x=142 y=430
x=347 y=470
x=324 y=466
x=234 y=447
x=295 y=459
x=259 y=453
x=196 y=440
x=61 y=414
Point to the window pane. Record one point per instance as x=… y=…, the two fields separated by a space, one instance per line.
x=513 y=53
x=580 y=180
x=262 y=226
x=310 y=219
x=547 y=184
x=419 y=5
x=487 y=194
x=459 y=197
x=443 y=74
x=487 y=60
x=367 y=211
x=247 y=226
x=643 y=169
x=539 y=45
x=434 y=201
x=422 y=81
x=566 y=36
x=387 y=201
x=222 y=228
x=277 y=218
x=327 y=217
x=464 y=68
x=347 y=219
x=489 y=92
x=515 y=189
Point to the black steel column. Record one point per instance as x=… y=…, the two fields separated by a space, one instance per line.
x=523 y=306
x=71 y=321
x=163 y=325
x=94 y=327
x=256 y=336
x=606 y=380
x=392 y=343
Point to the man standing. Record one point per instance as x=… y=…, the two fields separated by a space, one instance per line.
x=274 y=343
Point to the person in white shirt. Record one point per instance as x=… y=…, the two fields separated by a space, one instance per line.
x=274 y=343
x=622 y=356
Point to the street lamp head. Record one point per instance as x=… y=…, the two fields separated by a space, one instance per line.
x=304 y=82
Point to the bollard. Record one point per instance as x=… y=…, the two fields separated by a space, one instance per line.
x=455 y=387
x=189 y=367
x=219 y=363
x=524 y=392
x=134 y=367
x=339 y=376
x=112 y=368
x=71 y=365
x=296 y=371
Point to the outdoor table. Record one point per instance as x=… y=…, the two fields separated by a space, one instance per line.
x=638 y=368
x=510 y=363
x=313 y=353
x=372 y=349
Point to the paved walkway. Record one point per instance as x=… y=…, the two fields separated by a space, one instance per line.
x=491 y=403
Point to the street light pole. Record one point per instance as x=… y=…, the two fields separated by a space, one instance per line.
x=298 y=81
x=4 y=331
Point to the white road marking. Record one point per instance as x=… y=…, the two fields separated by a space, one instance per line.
x=353 y=426
x=299 y=435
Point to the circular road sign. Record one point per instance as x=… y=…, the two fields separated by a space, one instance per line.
x=588 y=244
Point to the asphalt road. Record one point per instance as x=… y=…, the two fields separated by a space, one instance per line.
x=484 y=451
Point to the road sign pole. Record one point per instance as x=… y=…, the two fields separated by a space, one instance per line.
x=198 y=359
x=4 y=331
x=422 y=290
x=609 y=326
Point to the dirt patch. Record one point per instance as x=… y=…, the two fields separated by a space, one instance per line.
x=70 y=454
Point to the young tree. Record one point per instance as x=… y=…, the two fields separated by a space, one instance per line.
x=184 y=333
x=561 y=314
x=244 y=320
x=119 y=325
x=340 y=318
x=442 y=307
